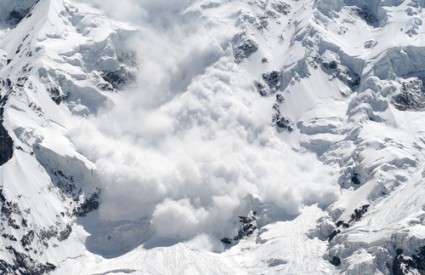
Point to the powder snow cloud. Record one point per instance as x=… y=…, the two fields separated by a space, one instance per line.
x=186 y=145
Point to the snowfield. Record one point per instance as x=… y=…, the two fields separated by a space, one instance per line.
x=212 y=137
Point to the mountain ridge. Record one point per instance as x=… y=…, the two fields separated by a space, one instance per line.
x=138 y=146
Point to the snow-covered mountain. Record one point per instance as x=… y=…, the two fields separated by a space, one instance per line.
x=212 y=137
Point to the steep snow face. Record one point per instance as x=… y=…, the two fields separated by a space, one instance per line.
x=188 y=137
x=46 y=78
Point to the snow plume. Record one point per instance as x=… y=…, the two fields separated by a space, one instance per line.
x=185 y=147
x=142 y=11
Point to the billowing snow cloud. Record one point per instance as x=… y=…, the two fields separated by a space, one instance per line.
x=185 y=147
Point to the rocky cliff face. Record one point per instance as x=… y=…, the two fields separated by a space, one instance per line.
x=242 y=137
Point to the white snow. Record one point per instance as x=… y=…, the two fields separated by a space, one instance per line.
x=189 y=145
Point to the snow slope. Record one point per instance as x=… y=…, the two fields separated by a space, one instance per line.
x=212 y=137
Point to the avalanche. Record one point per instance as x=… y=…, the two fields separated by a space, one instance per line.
x=212 y=137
